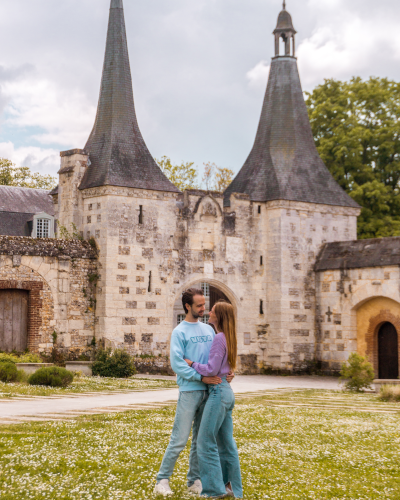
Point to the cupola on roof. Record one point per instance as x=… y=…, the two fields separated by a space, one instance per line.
x=284 y=20
x=284 y=163
x=117 y=152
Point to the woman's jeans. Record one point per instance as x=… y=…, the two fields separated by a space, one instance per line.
x=216 y=449
x=189 y=411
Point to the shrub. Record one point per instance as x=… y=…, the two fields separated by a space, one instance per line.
x=52 y=376
x=390 y=393
x=117 y=364
x=8 y=371
x=357 y=372
x=28 y=357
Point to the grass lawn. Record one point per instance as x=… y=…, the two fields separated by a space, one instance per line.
x=286 y=453
x=84 y=385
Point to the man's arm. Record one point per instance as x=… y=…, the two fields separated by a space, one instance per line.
x=211 y=380
x=178 y=362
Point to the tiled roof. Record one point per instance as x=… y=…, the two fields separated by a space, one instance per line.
x=284 y=163
x=25 y=200
x=117 y=152
x=15 y=224
x=19 y=205
x=357 y=254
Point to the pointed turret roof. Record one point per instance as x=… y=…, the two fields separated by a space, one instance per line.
x=117 y=152
x=284 y=163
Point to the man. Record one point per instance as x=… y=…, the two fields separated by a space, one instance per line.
x=191 y=339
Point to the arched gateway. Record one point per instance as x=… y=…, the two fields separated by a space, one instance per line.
x=388 y=352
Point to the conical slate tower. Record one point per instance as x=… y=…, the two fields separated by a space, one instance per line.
x=284 y=163
x=117 y=152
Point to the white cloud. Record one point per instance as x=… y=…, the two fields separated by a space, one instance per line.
x=258 y=76
x=44 y=161
x=63 y=113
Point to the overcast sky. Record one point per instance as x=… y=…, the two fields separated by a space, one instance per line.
x=199 y=69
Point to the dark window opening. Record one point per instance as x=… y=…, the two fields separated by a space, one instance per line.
x=140 y=214
x=149 y=288
x=261 y=307
x=261 y=261
x=259 y=209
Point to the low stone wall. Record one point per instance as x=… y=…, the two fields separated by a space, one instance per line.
x=159 y=365
x=46 y=247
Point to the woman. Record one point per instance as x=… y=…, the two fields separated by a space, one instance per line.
x=216 y=449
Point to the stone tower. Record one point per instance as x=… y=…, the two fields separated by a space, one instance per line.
x=302 y=206
x=114 y=191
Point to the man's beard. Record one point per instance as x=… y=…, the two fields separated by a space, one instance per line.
x=197 y=315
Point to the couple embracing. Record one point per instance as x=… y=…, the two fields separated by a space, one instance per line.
x=204 y=362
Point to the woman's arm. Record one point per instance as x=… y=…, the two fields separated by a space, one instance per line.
x=217 y=354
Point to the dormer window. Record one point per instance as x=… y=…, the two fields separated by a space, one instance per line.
x=43 y=226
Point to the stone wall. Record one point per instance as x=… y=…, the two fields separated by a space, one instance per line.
x=296 y=232
x=352 y=304
x=61 y=278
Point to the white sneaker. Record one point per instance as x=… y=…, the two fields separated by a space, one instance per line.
x=196 y=487
x=163 y=488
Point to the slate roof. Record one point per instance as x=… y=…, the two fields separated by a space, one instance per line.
x=284 y=21
x=357 y=254
x=19 y=205
x=284 y=163
x=117 y=152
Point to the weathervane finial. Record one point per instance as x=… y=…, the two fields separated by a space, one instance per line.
x=284 y=4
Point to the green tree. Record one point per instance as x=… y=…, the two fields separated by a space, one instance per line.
x=223 y=177
x=10 y=175
x=183 y=176
x=356 y=127
x=216 y=178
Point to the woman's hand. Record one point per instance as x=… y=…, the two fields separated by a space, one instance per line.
x=189 y=362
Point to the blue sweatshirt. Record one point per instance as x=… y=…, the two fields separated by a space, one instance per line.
x=190 y=341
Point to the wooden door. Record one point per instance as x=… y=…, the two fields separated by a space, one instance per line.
x=216 y=295
x=388 y=352
x=13 y=320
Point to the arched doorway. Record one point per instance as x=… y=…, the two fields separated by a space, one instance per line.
x=212 y=295
x=388 y=352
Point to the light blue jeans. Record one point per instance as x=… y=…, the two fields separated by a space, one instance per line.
x=216 y=448
x=188 y=412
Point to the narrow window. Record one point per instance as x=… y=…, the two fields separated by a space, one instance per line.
x=259 y=209
x=149 y=289
x=43 y=228
x=140 y=214
x=261 y=261
x=247 y=339
x=261 y=307
x=181 y=317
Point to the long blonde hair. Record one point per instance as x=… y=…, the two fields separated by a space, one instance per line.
x=226 y=322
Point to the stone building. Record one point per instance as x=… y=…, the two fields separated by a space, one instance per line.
x=279 y=244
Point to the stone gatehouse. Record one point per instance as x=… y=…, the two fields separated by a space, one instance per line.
x=280 y=243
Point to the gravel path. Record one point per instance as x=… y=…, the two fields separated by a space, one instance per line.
x=56 y=408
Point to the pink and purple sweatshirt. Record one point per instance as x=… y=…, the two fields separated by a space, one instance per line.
x=218 y=364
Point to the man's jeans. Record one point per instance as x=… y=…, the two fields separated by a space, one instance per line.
x=217 y=451
x=189 y=411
